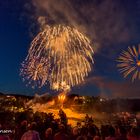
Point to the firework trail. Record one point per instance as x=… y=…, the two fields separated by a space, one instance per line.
x=63 y=54
x=129 y=62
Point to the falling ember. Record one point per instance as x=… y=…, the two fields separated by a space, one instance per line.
x=129 y=63
x=68 y=54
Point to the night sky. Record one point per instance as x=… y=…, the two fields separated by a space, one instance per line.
x=111 y=25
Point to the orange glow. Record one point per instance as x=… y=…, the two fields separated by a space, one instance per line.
x=138 y=63
x=61 y=98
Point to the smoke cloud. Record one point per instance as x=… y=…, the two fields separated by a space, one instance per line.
x=112 y=88
x=105 y=22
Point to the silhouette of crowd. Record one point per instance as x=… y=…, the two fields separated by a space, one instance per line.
x=43 y=126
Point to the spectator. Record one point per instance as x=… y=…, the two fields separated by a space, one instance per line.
x=111 y=134
x=31 y=134
x=61 y=135
x=48 y=134
x=75 y=133
x=134 y=134
x=121 y=133
x=91 y=133
x=20 y=130
x=83 y=134
x=96 y=138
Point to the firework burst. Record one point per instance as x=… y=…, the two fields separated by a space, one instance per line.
x=34 y=71
x=68 y=54
x=129 y=63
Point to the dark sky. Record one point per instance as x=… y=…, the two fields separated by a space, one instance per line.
x=110 y=25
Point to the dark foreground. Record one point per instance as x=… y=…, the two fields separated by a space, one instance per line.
x=17 y=122
x=34 y=126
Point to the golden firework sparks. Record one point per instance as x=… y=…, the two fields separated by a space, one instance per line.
x=68 y=54
x=129 y=62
